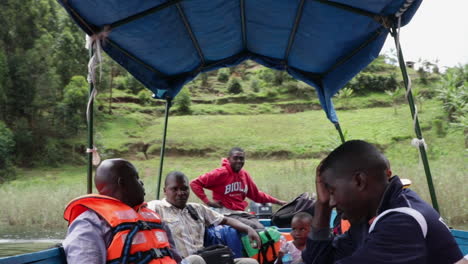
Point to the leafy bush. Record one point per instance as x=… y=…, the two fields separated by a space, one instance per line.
x=54 y=153
x=255 y=85
x=235 y=87
x=395 y=96
x=184 y=102
x=145 y=97
x=367 y=82
x=268 y=75
x=299 y=89
x=440 y=128
x=454 y=95
x=223 y=75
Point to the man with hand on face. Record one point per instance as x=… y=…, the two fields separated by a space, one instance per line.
x=115 y=226
x=231 y=185
x=187 y=221
x=389 y=223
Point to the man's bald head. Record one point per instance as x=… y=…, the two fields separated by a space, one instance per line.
x=175 y=176
x=118 y=178
x=110 y=170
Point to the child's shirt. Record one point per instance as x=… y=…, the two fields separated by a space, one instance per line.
x=295 y=253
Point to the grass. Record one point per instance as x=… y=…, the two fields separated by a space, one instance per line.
x=282 y=152
x=304 y=134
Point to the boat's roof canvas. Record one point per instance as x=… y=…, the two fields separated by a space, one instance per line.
x=166 y=43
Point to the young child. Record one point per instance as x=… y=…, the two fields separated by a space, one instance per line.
x=300 y=225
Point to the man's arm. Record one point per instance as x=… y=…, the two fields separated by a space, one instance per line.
x=173 y=249
x=239 y=226
x=86 y=240
x=258 y=196
x=397 y=237
x=319 y=248
x=202 y=182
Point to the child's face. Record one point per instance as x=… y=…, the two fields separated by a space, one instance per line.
x=300 y=230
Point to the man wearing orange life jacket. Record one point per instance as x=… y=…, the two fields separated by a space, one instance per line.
x=115 y=226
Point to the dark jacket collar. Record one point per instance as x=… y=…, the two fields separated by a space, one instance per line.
x=392 y=191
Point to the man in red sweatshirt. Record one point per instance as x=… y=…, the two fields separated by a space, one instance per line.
x=230 y=185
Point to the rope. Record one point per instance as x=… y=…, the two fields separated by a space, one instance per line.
x=416 y=142
x=94 y=43
x=419 y=141
x=96 y=156
x=409 y=84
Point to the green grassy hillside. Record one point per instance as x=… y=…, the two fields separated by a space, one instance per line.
x=280 y=125
x=282 y=152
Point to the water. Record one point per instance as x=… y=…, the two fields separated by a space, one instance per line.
x=11 y=247
x=21 y=242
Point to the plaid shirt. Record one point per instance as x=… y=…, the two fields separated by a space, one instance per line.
x=187 y=233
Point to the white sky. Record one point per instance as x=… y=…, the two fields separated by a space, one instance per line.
x=438 y=30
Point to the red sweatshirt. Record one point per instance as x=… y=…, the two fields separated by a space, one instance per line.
x=229 y=187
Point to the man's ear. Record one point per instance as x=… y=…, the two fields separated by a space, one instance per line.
x=360 y=179
x=120 y=181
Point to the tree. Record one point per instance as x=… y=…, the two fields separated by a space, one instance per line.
x=453 y=92
x=255 y=85
x=4 y=83
x=6 y=148
x=235 y=87
x=223 y=75
x=266 y=74
x=70 y=55
x=345 y=94
x=133 y=85
x=73 y=106
x=394 y=95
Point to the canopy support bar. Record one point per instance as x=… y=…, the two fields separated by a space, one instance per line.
x=244 y=33
x=417 y=128
x=354 y=52
x=144 y=13
x=90 y=132
x=163 y=147
x=338 y=128
x=192 y=36
x=160 y=74
x=292 y=36
x=355 y=10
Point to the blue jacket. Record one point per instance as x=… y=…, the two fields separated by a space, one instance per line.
x=396 y=237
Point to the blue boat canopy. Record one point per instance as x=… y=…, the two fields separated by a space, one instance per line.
x=167 y=43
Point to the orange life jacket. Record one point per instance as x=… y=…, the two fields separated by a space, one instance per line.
x=137 y=233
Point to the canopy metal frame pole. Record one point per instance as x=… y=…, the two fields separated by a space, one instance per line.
x=417 y=128
x=163 y=146
x=90 y=131
x=340 y=132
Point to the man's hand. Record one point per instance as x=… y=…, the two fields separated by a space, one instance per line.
x=239 y=226
x=281 y=202
x=253 y=236
x=322 y=206
x=279 y=260
x=323 y=196
x=215 y=204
